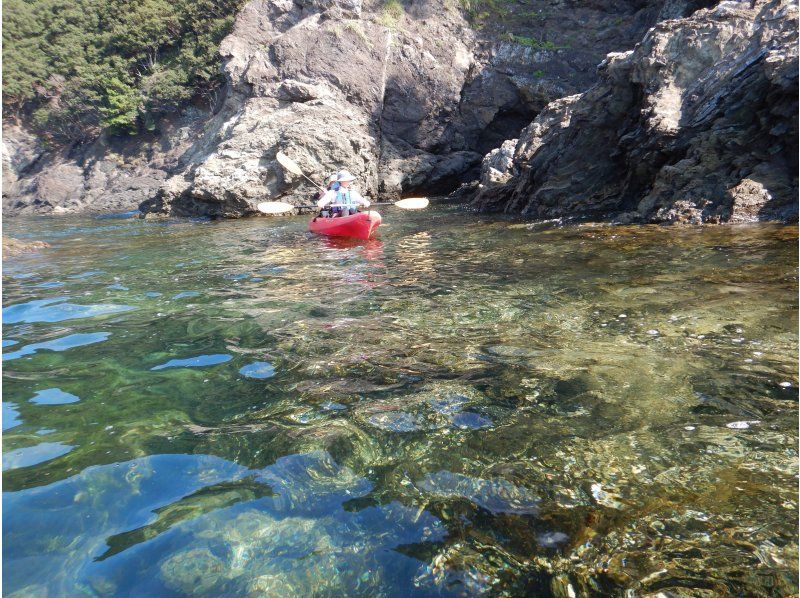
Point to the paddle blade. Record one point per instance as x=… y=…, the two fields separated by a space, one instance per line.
x=288 y=163
x=413 y=203
x=274 y=207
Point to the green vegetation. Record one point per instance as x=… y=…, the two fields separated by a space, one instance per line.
x=391 y=13
x=530 y=42
x=480 y=10
x=77 y=67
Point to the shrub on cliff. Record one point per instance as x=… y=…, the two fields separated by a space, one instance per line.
x=77 y=67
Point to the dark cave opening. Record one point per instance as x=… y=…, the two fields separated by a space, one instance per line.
x=507 y=124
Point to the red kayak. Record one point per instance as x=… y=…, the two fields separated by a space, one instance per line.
x=360 y=226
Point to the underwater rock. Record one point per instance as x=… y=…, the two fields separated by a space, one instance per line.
x=311 y=481
x=551 y=539
x=471 y=421
x=192 y=571
x=17 y=246
x=742 y=425
x=395 y=421
x=495 y=495
x=449 y=404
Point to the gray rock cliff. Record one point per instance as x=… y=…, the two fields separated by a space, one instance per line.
x=698 y=123
x=108 y=175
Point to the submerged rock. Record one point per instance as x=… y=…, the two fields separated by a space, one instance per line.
x=192 y=571
x=551 y=539
x=394 y=421
x=495 y=495
x=17 y=246
x=471 y=421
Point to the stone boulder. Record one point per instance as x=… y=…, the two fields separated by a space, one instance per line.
x=497 y=165
x=241 y=171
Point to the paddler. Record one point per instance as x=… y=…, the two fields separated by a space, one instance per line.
x=331 y=184
x=344 y=199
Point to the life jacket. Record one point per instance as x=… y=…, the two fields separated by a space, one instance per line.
x=343 y=197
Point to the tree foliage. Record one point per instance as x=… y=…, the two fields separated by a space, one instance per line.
x=77 y=67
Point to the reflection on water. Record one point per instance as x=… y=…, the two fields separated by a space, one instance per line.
x=461 y=406
x=60 y=344
x=33 y=455
x=54 y=310
x=54 y=396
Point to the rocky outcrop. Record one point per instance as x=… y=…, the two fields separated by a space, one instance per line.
x=18 y=246
x=408 y=95
x=407 y=98
x=21 y=150
x=109 y=175
x=698 y=123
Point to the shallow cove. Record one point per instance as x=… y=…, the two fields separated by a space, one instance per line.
x=463 y=405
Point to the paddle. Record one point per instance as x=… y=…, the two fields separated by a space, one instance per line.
x=292 y=167
x=281 y=207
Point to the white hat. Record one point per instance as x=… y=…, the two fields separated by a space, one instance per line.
x=332 y=178
x=343 y=175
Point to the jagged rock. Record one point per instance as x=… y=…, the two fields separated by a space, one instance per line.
x=496 y=166
x=697 y=124
x=20 y=152
x=749 y=197
x=405 y=107
x=242 y=171
x=296 y=91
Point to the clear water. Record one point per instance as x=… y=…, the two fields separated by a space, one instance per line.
x=465 y=406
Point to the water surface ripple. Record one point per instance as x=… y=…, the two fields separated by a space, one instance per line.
x=464 y=406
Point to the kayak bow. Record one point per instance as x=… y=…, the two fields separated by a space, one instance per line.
x=360 y=226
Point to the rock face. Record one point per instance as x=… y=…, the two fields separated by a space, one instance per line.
x=109 y=175
x=409 y=96
x=408 y=99
x=698 y=123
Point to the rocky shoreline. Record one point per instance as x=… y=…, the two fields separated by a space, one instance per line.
x=697 y=124
x=691 y=115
